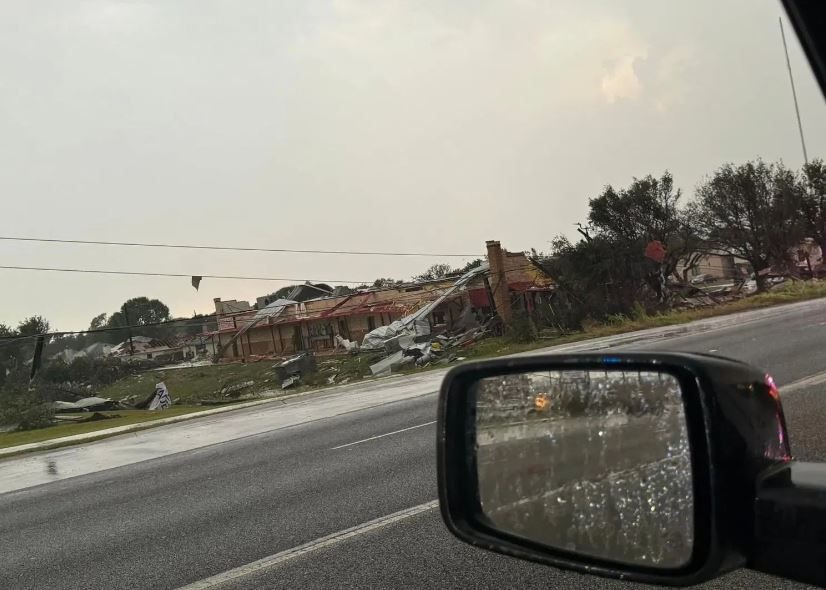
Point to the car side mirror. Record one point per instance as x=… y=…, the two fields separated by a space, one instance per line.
x=658 y=468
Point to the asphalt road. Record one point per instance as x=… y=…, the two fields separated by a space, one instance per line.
x=176 y=519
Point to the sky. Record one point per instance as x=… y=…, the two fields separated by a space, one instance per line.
x=357 y=125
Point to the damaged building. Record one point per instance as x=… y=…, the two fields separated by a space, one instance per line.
x=322 y=323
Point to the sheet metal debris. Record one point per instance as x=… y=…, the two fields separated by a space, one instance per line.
x=300 y=364
x=417 y=324
x=87 y=404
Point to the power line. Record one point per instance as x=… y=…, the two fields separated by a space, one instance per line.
x=187 y=275
x=177 y=275
x=236 y=248
x=288 y=315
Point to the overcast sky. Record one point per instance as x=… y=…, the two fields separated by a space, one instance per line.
x=375 y=125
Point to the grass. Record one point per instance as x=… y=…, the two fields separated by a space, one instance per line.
x=190 y=385
x=11 y=439
x=196 y=384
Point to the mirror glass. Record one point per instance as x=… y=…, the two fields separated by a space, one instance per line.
x=594 y=462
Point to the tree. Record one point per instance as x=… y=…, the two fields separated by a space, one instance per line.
x=33 y=326
x=383 y=283
x=98 y=322
x=750 y=210
x=813 y=202
x=437 y=271
x=471 y=265
x=137 y=312
x=140 y=311
x=596 y=277
x=645 y=212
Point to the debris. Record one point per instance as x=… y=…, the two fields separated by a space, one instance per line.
x=300 y=364
x=161 y=399
x=467 y=319
x=81 y=419
x=416 y=324
x=87 y=404
x=332 y=378
x=391 y=363
x=235 y=389
x=348 y=345
x=290 y=381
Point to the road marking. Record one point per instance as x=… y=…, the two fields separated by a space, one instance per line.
x=810 y=381
x=301 y=550
x=358 y=442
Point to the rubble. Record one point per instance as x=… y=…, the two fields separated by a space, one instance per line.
x=236 y=389
x=416 y=324
x=298 y=365
x=87 y=404
x=290 y=381
x=408 y=340
x=348 y=345
x=94 y=417
x=437 y=349
x=391 y=363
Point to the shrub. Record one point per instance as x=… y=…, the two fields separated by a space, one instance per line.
x=521 y=328
x=22 y=404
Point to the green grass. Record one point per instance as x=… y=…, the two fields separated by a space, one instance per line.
x=11 y=439
x=191 y=385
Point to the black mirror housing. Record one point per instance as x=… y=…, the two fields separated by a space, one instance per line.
x=735 y=429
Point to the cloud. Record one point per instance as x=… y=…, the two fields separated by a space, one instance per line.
x=622 y=82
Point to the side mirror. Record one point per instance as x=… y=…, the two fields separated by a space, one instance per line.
x=657 y=468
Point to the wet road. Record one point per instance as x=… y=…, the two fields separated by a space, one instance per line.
x=175 y=519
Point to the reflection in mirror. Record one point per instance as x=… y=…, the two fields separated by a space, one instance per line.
x=593 y=462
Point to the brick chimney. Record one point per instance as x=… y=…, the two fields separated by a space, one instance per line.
x=218 y=307
x=498 y=281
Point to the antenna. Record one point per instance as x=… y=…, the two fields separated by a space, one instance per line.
x=794 y=93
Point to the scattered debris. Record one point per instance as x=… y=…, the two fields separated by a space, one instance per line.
x=161 y=399
x=391 y=363
x=87 y=404
x=300 y=364
x=290 y=381
x=235 y=389
x=348 y=345
x=417 y=324
x=96 y=416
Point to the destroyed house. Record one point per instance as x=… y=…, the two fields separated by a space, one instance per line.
x=313 y=325
x=285 y=327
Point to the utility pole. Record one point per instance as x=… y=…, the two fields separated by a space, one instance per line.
x=794 y=93
x=129 y=328
x=37 y=357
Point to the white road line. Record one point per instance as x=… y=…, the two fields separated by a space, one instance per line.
x=810 y=381
x=321 y=543
x=358 y=442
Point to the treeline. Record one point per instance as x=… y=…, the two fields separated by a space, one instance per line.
x=638 y=242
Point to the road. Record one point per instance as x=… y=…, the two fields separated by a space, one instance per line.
x=185 y=502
